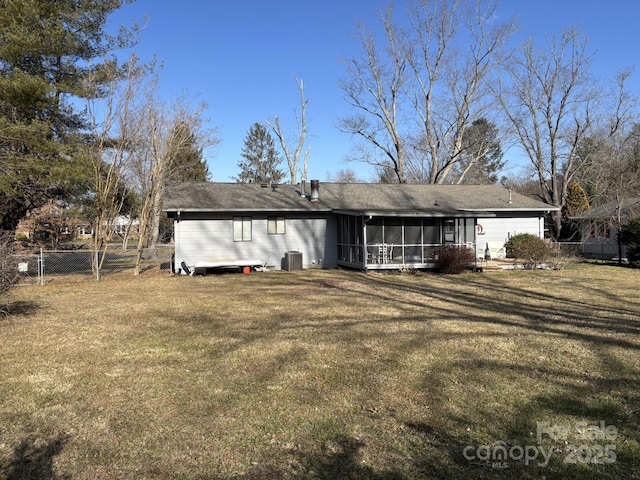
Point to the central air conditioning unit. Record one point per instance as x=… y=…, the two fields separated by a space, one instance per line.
x=292 y=261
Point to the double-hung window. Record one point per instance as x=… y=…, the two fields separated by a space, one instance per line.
x=241 y=229
x=276 y=226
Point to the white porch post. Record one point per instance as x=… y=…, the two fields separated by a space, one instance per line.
x=365 y=253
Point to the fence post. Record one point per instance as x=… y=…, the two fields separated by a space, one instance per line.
x=97 y=259
x=41 y=267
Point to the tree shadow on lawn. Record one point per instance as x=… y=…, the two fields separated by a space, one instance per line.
x=567 y=418
x=568 y=393
x=341 y=458
x=572 y=424
x=33 y=459
x=608 y=396
x=18 y=308
x=530 y=310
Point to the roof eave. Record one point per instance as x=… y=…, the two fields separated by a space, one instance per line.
x=244 y=210
x=405 y=213
x=515 y=209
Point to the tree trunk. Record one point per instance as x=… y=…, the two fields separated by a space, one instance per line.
x=144 y=222
x=155 y=223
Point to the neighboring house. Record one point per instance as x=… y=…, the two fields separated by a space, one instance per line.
x=363 y=226
x=125 y=225
x=52 y=223
x=57 y=223
x=598 y=227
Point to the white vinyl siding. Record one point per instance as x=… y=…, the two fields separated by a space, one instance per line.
x=501 y=229
x=209 y=238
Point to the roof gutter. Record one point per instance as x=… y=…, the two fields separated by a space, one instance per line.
x=515 y=209
x=233 y=210
x=423 y=214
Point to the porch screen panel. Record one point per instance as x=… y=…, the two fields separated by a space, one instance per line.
x=342 y=220
x=449 y=230
x=431 y=239
x=412 y=231
x=431 y=232
x=374 y=231
x=352 y=230
x=352 y=254
x=350 y=238
x=469 y=230
x=393 y=231
x=412 y=240
x=358 y=248
x=358 y=230
x=374 y=241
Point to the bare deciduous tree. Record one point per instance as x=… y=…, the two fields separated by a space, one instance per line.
x=610 y=156
x=164 y=131
x=373 y=87
x=344 y=175
x=111 y=113
x=416 y=96
x=301 y=124
x=548 y=97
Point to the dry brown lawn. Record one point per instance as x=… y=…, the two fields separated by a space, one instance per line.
x=323 y=374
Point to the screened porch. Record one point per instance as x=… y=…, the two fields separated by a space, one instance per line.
x=393 y=242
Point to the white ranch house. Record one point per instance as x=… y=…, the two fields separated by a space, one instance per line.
x=328 y=225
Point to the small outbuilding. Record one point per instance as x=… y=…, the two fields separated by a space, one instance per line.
x=362 y=226
x=599 y=227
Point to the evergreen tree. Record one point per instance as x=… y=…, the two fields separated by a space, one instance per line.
x=575 y=204
x=481 y=157
x=260 y=158
x=189 y=165
x=577 y=201
x=47 y=51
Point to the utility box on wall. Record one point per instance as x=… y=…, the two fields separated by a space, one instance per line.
x=292 y=261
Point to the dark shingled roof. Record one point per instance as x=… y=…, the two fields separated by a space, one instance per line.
x=347 y=197
x=629 y=207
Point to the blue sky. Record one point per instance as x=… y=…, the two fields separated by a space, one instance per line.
x=241 y=56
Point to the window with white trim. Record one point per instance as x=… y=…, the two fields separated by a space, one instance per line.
x=276 y=226
x=241 y=229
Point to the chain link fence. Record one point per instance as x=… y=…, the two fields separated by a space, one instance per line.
x=38 y=268
x=28 y=269
x=567 y=249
